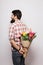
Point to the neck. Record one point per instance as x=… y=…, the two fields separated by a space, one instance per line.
x=16 y=19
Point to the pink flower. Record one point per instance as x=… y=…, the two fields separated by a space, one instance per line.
x=31 y=34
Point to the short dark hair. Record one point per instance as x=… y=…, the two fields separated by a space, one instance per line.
x=17 y=13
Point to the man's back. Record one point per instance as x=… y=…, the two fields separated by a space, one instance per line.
x=16 y=30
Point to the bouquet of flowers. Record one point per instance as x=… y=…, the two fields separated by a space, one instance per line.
x=26 y=39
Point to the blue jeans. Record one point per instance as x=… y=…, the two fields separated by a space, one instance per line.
x=17 y=58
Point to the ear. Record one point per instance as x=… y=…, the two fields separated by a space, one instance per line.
x=15 y=17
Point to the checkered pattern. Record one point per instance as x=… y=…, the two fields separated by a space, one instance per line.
x=16 y=29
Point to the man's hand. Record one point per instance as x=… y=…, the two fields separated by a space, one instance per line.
x=25 y=49
x=21 y=50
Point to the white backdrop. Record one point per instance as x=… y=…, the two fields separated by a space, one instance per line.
x=32 y=11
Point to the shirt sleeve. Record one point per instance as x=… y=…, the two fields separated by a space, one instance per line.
x=11 y=32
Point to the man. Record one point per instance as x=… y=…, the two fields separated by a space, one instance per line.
x=15 y=30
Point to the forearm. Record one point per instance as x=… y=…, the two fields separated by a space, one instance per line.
x=13 y=43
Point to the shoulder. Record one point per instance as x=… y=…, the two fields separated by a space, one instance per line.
x=12 y=26
x=23 y=24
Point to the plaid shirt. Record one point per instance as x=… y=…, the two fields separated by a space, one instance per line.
x=16 y=29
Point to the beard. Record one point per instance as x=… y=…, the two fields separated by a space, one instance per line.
x=12 y=21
